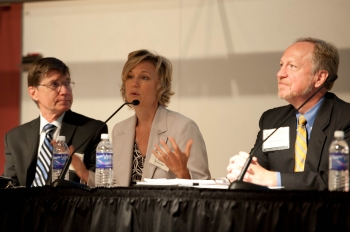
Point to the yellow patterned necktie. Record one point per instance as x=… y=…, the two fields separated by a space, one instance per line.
x=300 y=145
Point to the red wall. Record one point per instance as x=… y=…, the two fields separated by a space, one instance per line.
x=10 y=72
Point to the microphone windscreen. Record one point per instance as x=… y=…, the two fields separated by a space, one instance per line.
x=135 y=102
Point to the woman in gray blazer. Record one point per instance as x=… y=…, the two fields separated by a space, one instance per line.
x=155 y=142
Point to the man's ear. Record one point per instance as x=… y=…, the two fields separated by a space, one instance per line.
x=321 y=77
x=33 y=93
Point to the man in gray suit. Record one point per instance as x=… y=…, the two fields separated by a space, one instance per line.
x=304 y=67
x=50 y=87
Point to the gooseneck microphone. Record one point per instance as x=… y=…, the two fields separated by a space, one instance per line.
x=239 y=184
x=61 y=181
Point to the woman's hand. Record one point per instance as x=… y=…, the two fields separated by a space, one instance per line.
x=175 y=160
x=77 y=163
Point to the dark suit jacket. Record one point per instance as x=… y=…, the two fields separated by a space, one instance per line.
x=21 y=145
x=334 y=114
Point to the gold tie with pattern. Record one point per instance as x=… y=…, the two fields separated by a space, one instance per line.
x=300 y=145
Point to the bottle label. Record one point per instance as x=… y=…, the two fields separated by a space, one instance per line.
x=104 y=160
x=59 y=160
x=338 y=161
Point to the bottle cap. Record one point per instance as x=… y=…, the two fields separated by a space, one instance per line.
x=104 y=136
x=61 y=138
x=339 y=134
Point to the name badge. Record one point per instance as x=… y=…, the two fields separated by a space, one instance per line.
x=278 y=141
x=155 y=161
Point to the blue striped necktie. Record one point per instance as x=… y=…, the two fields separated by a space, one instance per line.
x=45 y=157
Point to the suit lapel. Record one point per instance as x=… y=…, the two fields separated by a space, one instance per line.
x=68 y=129
x=285 y=158
x=159 y=131
x=290 y=152
x=32 y=139
x=318 y=137
x=122 y=161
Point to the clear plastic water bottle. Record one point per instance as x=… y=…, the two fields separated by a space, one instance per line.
x=338 y=179
x=104 y=163
x=59 y=157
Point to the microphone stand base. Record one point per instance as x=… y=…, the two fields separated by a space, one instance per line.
x=66 y=183
x=241 y=185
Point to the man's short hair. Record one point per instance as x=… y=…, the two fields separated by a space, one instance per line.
x=325 y=57
x=41 y=67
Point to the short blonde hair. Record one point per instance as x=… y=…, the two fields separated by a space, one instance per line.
x=163 y=69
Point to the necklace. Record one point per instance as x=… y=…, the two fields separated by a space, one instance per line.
x=138 y=140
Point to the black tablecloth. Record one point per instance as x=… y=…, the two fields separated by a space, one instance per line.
x=171 y=209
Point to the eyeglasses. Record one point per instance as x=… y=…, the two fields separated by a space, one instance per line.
x=56 y=85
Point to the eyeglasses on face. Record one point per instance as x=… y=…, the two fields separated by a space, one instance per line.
x=56 y=85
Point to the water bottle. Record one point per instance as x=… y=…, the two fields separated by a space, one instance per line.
x=104 y=163
x=338 y=179
x=60 y=155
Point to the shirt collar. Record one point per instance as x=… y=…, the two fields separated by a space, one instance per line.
x=310 y=115
x=43 y=122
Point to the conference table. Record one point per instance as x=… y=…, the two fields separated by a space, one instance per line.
x=171 y=208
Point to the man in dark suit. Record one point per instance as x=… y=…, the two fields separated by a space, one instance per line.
x=50 y=87
x=304 y=67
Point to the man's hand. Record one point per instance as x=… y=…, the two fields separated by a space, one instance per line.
x=255 y=173
x=80 y=168
x=78 y=165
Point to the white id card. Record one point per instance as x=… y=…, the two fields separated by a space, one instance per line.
x=153 y=160
x=278 y=141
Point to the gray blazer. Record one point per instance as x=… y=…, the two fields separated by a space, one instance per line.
x=165 y=123
x=334 y=114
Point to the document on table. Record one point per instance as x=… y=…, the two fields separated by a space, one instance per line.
x=184 y=183
x=219 y=183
